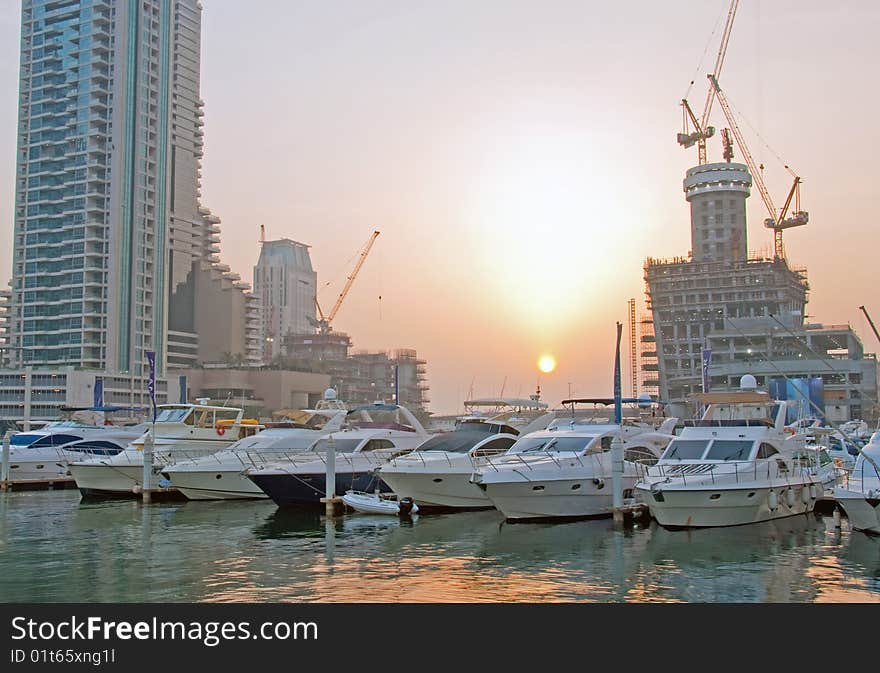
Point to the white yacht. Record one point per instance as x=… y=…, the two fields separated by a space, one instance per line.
x=82 y=433
x=368 y=441
x=565 y=470
x=736 y=465
x=437 y=474
x=860 y=496
x=220 y=476
x=182 y=431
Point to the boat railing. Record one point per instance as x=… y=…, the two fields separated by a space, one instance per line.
x=479 y=457
x=532 y=458
x=745 y=471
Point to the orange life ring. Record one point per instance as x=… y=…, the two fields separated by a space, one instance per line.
x=221 y=429
x=790 y=431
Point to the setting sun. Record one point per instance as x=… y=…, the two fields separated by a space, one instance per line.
x=546 y=363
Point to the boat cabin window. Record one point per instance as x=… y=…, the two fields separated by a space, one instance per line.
x=460 y=441
x=639 y=454
x=685 y=449
x=24 y=439
x=342 y=445
x=824 y=458
x=378 y=444
x=500 y=444
x=173 y=416
x=766 y=450
x=55 y=440
x=730 y=449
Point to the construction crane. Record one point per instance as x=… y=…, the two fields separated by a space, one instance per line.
x=870 y=322
x=702 y=130
x=323 y=322
x=777 y=221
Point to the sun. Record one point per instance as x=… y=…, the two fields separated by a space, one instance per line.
x=546 y=363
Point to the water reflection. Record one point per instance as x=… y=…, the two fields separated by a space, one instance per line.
x=55 y=548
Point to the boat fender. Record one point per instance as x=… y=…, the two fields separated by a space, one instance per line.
x=221 y=430
x=772 y=501
x=814 y=491
x=805 y=495
x=599 y=483
x=405 y=506
x=790 y=498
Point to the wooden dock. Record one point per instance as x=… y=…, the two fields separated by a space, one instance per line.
x=53 y=484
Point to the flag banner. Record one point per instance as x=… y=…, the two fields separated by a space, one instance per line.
x=151 y=385
x=618 y=411
x=707 y=360
x=98 y=400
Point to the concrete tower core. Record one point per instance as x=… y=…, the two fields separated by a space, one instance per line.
x=717 y=194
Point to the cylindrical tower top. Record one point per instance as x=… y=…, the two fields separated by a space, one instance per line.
x=725 y=177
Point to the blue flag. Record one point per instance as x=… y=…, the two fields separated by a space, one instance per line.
x=151 y=385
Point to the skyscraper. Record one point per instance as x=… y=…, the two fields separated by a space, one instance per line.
x=107 y=219
x=286 y=284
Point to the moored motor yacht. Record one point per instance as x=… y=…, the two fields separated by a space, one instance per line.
x=374 y=434
x=182 y=431
x=44 y=453
x=736 y=465
x=860 y=495
x=436 y=475
x=220 y=476
x=565 y=472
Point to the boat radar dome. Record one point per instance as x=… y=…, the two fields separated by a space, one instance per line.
x=645 y=400
x=748 y=382
x=330 y=394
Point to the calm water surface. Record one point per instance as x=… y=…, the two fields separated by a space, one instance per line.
x=54 y=548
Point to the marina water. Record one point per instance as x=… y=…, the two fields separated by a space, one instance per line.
x=56 y=548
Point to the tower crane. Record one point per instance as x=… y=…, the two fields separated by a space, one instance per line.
x=870 y=322
x=323 y=322
x=702 y=130
x=776 y=222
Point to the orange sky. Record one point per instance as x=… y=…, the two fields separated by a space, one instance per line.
x=519 y=159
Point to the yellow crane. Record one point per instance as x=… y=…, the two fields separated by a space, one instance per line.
x=323 y=322
x=777 y=221
x=702 y=131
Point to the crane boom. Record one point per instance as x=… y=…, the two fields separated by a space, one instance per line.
x=719 y=62
x=777 y=221
x=352 y=276
x=747 y=155
x=870 y=322
x=702 y=130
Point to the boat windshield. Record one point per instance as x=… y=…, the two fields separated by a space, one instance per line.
x=342 y=445
x=552 y=445
x=453 y=442
x=172 y=415
x=730 y=449
x=685 y=449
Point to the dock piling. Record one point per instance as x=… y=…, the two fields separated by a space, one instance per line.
x=331 y=502
x=146 y=490
x=4 y=465
x=617 y=479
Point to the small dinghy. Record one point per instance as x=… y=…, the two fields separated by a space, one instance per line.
x=372 y=503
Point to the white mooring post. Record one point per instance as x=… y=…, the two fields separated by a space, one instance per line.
x=330 y=478
x=146 y=489
x=4 y=466
x=617 y=478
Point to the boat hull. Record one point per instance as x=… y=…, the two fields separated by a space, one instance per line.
x=438 y=490
x=863 y=513
x=717 y=507
x=292 y=490
x=541 y=499
x=216 y=484
x=36 y=469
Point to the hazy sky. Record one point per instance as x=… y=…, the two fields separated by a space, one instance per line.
x=519 y=158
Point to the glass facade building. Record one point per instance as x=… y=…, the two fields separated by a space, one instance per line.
x=107 y=179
